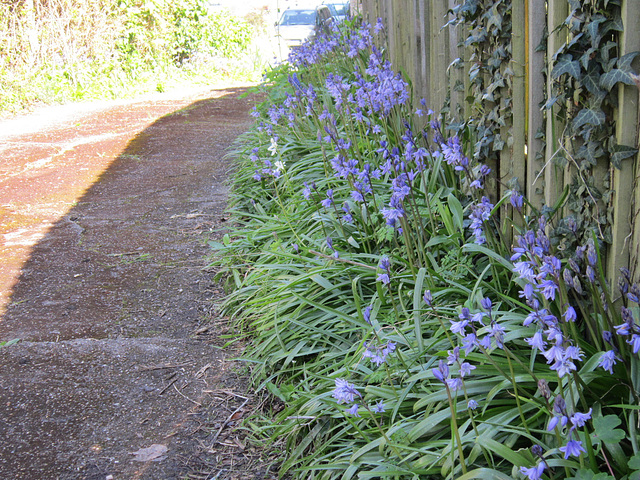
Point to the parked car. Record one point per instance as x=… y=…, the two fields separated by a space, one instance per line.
x=295 y=26
x=340 y=11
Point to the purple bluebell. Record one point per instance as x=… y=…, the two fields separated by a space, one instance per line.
x=580 y=419
x=573 y=448
x=378 y=353
x=442 y=372
x=466 y=368
x=327 y=202
x=379 y=407
x=428 y=298
x=608 y=360
x=533 y=473
x=454 y=384
x=353 y=410
x=345 y=392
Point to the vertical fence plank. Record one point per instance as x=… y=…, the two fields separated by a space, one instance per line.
x=439 y=53
x=457 y=72
x=512 y=171
x=536 y=19
x=625 y=248
x=557 y=11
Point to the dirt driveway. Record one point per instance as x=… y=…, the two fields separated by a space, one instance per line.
x=119 y=372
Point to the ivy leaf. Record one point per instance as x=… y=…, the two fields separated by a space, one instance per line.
x=498 y=143
x=624 y=62
x=566 y=64
x=591 y=82
x=605 y=429
x=620 y=152
x=609 y=79
x=587 y=116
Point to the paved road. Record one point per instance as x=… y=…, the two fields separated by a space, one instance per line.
x=104 y=213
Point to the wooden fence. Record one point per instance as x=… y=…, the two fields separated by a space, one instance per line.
x=424 y=49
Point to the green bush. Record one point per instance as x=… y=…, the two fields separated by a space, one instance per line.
x=62 y=50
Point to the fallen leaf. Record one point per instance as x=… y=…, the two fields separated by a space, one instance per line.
x=154 y=452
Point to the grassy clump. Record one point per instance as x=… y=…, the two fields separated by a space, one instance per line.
x=403 y=335
x=64 y=50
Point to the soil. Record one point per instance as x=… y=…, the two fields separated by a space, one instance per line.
x=122 y=370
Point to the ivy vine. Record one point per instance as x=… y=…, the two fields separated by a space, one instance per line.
x=584 y=73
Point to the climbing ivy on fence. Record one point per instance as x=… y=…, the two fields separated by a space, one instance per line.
x=488 y=39
x=584 y=74
x=584 y=78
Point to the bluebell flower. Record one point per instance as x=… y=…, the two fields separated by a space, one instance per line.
x=497 y=331
x=469 y=343
x=384 y=278
x=345 y=392
x=428 y=298
x=466 y=368
x=442 y=372
x=537 y=341
x=353 y=410
x=327 y=202
x=533 y=473
x=579 y=419
x=379 y=407
x=570 y=314
x=384 y=264
x=573 y=448
x=366 y=314
x=454 y=384
x=472 y=404
x=486 y=303
x=378 y=353
x=459 y=327
x=517 y=200
x=480 y=213
x=608 y=360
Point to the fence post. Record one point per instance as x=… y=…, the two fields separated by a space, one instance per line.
x=557 y=11
x=536 y=20
x=439 y=53
x=625 y=246
x=512 y=159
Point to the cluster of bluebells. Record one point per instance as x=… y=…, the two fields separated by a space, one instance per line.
x=564 y=424
x=541 y=273
x=345 y=392
x=443 y=374
x=378 y=352
x=629 y=328
x=480 y=329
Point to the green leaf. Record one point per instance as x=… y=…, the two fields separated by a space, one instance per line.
x=634 y=462
x=587 y=116
x=605 y=429
x=609 y=79
x=620 y=152
x=585 y=474
x=624 y=62
x=566 y=64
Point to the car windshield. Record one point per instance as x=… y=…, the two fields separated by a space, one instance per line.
x=298 y=17
x=338 y=9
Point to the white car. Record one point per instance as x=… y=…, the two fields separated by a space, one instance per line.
x=295 y=26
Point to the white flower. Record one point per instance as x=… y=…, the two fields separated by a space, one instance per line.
x=279 y=166
x=274 y=147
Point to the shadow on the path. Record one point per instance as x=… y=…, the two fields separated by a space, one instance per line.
x=110 y=287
